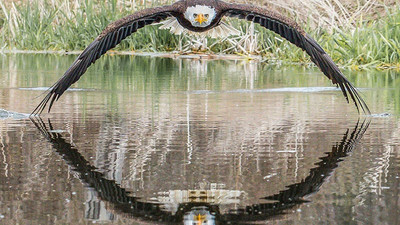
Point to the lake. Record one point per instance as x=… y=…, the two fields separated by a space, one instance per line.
x=160 y=140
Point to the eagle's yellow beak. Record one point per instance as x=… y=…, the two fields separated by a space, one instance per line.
x=200 y=18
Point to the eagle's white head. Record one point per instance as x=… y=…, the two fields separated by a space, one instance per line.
x=200 y=15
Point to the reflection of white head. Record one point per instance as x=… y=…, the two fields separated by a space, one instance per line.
x=200 y=15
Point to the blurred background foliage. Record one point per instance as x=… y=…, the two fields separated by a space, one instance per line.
x=357 y=34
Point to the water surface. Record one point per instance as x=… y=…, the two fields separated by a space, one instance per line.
x=158 y=140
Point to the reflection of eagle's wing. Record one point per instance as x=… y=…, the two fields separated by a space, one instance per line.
x=294 y=195
x=291 y=31
x=110 y=191
x=325 y=167
x=112 y=35
x=107 y=189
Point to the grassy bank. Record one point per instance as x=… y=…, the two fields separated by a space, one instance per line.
x=358 y=37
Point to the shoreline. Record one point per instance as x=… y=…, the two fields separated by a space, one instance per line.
x=174 y=55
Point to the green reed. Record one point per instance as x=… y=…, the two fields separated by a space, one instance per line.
x=66 y=25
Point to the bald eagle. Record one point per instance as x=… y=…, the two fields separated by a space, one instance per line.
x=201 y=16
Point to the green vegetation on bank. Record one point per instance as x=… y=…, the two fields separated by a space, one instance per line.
x=65 y=25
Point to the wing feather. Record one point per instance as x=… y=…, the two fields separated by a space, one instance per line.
x=111 y=36
x=291 y=31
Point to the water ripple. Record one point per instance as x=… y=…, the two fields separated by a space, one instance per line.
x=381 y=115
x=4 y=114
x=47 y=88
x=286 y=89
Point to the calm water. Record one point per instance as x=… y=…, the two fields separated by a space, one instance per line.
x=155 y=140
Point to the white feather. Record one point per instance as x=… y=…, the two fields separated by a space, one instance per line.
x=200 y=9
x=222 y=31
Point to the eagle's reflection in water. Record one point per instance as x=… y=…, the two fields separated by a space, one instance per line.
x=200 y=212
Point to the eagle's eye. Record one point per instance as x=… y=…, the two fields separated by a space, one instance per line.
x=206 y=16
x=194 y=14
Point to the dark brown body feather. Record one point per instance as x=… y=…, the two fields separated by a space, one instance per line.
x=115 y=32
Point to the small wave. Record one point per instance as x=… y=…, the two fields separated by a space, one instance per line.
x=4 y=114
x=302 y=89
x=47 y=88
x=287 y=89
x=57 y=131
x=381 y=115
x=199 y=92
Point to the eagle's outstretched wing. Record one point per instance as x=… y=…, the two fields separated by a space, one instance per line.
x=120 y=29
x=291 y=31
x=112 y=35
